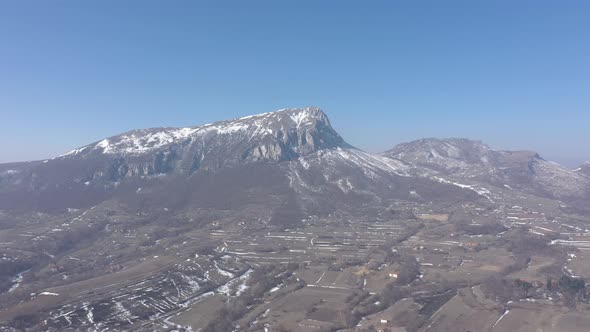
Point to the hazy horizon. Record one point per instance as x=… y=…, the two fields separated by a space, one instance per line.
x=511 y=75
x=574 y=162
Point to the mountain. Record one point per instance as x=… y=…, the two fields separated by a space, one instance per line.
x=277 y=136
x=584 y=169
x=310 y=162
x=473 y=161
x=95 y=172
x=307 y=159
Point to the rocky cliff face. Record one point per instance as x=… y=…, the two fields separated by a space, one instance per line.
x=271 y=137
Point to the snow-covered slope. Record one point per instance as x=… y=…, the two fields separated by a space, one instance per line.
x=344 y=168
x=336 y=179
x=473 y=161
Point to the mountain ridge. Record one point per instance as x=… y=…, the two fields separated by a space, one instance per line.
x=310 y=161
x=271 y=137
x=472 y=160
x=306 y=150
x=277 y=123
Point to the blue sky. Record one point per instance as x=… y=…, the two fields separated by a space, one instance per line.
x=515 y=74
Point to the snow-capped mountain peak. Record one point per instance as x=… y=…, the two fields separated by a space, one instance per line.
x=282 y=135
x=283 y=125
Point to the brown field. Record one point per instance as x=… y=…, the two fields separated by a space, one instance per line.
x=88 y=288
x=580 y=264
x=533 y=317
x=434 y=217
x=307 y=308
x=200 y=313
x=463 y=313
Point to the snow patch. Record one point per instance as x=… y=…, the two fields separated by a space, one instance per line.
x=300 y=118
x=75 y=151
x=17 y=280
x=49 y=293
